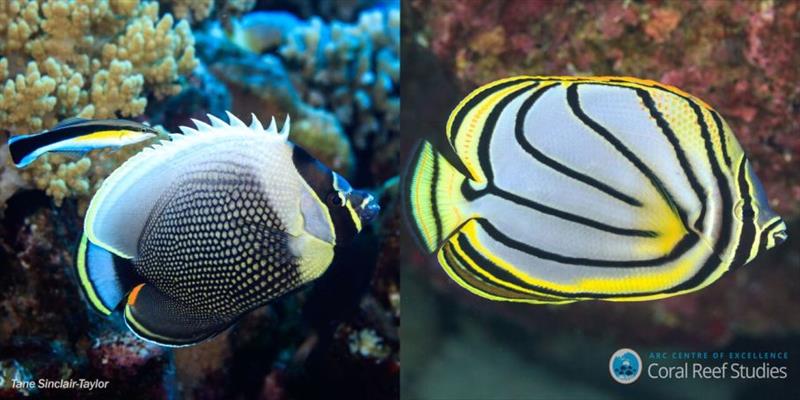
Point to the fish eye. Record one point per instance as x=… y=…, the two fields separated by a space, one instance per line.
x=336 y=199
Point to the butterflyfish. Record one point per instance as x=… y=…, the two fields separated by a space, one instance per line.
x=190 y=234
x=77 y=136
x=564 y=189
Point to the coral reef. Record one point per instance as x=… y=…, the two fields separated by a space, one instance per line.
x=119 y=355
x=47 y=331
x=338 y=81
x=131 y=59
x=91 y=58
x=329 y=10
x=198 y=10
x=740 y=57
x=352 y=70
x=261 y=85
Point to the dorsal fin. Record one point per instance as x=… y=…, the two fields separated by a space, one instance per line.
x=69 y=122
x=286 y=126
x=255 y=124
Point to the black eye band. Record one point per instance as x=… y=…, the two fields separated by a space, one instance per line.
x=336 y=199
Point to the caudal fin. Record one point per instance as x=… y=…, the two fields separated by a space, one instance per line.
x=105 y=277
x=433 y=198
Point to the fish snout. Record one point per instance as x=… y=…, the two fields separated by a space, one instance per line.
x=780 y=237
x=776 y=235
x=366 y=205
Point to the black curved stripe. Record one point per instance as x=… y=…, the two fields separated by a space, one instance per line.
x=721 y=133
x=437 y=219
x=574 y=103
x=484 y=160
x=469 y=105
x=501 y=273
x=525 y=202
x=488 y=129
x=666 y=129
x=747 y=236
x=469 y=192
x=470 y=274
x=519 y=132
x=688 y=240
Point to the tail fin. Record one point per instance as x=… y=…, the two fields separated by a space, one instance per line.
x=433 y=198
x=105 y=277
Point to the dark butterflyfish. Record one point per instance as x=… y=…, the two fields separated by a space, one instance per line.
x=77 y=136
x=596 y=188
x=191 y=233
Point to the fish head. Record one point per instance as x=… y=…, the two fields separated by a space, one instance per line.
x=770 y=228
x=349 y=208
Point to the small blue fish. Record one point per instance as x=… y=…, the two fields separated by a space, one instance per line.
x=77 y=136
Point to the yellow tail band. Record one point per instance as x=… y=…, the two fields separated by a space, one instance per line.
x=434 y=199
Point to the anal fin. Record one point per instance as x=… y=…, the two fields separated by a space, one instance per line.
x=157 y=318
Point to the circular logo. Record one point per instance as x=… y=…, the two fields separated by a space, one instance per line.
x=625 y=366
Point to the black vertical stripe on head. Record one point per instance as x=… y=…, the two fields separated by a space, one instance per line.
x=747 y=236
x=471 y=103
x=317 y=175
x=525 y=202
x=484 y=141
x=686 y=243
x=764 y=238
x=666 y=129
x=721 y=133
x=437 y=219
x=725 y=193
x=320 y=179
x=726 y=196
x=519 y=132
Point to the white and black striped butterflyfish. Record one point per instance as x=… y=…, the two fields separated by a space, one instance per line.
x=77 y=136
x=599 y=188
x=191 y=233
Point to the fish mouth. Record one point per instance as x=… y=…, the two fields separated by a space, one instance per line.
x=780 y=237
x=367 y=206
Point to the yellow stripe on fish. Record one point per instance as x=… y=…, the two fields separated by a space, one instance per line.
x=581 y=188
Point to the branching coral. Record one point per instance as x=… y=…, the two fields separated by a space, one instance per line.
x=194 y=10
x=261 y=85
x=87 y=58
x=199 y=10
x=352 y=70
